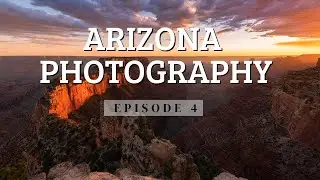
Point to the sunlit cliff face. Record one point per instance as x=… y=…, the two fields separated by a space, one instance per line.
x=66 y=98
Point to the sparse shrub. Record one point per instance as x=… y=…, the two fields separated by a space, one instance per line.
x=167 y=169
x=17 y=172
x=206 y=168
x=61 y=141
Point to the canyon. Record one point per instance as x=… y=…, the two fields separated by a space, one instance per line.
x=261 y=131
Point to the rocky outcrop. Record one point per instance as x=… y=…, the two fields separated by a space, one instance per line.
x=227 y=176
x=41 y=176
x=318 y=63
x=102 y=175
x=66 y=171
x=105 y=143
x=65 y=98
x=183 y=167
x=146 y=155
x=296 y=105
x=109 y=143
x=162 y=149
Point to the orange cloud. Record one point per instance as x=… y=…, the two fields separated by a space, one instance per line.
x=301 y=43
x=303 y=23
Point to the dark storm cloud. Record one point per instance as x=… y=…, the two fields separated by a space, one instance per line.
x=98 y=13
x=87 y=11
x=15 y=20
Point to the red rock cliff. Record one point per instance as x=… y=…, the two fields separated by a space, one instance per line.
x=66 y=98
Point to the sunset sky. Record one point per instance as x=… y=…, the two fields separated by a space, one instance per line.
x=244 y=27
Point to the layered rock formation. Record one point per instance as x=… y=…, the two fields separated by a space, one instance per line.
x=66 y=98
x=63 y=99
x=296 y=105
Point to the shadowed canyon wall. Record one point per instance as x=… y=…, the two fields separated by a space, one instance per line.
x=265 y=131
x=296 y=105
